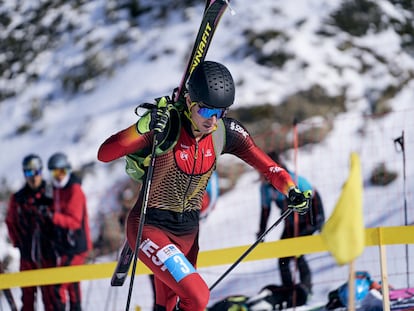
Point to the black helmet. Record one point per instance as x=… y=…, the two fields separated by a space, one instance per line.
x=212 y=84
x=58 y=160
x=32 y=162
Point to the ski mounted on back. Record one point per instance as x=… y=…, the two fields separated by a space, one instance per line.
x=213 y=11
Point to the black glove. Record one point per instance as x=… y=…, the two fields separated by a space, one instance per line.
x=299 y=201
x=160 y=115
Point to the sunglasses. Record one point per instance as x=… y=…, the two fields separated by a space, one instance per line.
x=31 y=173
x=206 y=112
x=58 y=172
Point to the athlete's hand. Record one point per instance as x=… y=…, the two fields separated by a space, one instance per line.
x=299 y=201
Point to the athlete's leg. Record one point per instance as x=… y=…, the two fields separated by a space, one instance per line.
x=305 y=273
x=165 y=254
x=285 y=273
x=28 y=293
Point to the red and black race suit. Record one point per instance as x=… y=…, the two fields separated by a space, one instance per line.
x=181 y=174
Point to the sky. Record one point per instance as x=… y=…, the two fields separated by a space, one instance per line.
x=78 y=125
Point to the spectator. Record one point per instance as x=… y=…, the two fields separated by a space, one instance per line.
x=307 y=224
x=70 y=218
x=30 y=231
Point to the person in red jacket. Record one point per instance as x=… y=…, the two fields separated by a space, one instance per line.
x=72 y=234
x=188 y=134
x=30 y=231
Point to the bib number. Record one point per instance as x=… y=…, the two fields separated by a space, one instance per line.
x=175 y=261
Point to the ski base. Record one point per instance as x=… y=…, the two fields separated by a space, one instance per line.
x=122 y=267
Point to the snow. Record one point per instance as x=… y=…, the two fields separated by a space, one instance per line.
x=78 y=125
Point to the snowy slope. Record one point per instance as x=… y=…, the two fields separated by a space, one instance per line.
x=78 y=124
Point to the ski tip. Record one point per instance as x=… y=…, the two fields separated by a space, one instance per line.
x=117 y=283
x=118 y=279
x=232 y=11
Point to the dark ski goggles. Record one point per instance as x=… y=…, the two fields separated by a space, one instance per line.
x=31 y=173
x=207 y=112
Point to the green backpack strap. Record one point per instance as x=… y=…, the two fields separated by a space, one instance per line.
x=137 y=163
x=219 y=138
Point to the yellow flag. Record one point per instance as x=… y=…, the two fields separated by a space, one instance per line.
x=343 y=232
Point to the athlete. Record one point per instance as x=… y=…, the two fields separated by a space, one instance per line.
x=190 y=135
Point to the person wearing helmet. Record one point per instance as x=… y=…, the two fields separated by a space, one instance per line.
x=30 y=230
x=190 y=135
x=363 y=284
x=72 y=234
x=304 y=225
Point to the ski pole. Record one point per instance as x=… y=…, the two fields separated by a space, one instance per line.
x=399 y=141
x=147 y=188
x=260 y=238
x=7 y=292
x=296 y=216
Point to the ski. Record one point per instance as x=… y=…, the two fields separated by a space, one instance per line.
x=213 y=12
x=9 y=297
x=122 y=267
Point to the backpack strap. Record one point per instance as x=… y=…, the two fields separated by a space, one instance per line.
x=219 y=138
x=137 y=163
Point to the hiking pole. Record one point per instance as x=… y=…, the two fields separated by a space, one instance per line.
x=143 y=213
x=260 y=238
x=7 y=291
x=399 y=141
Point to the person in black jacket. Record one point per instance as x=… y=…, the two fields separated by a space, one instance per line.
x=307 y=224
x=29 y=229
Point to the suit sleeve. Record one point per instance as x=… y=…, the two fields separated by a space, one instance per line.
x=124 y=142
x=240 y=143
x=72 y=216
